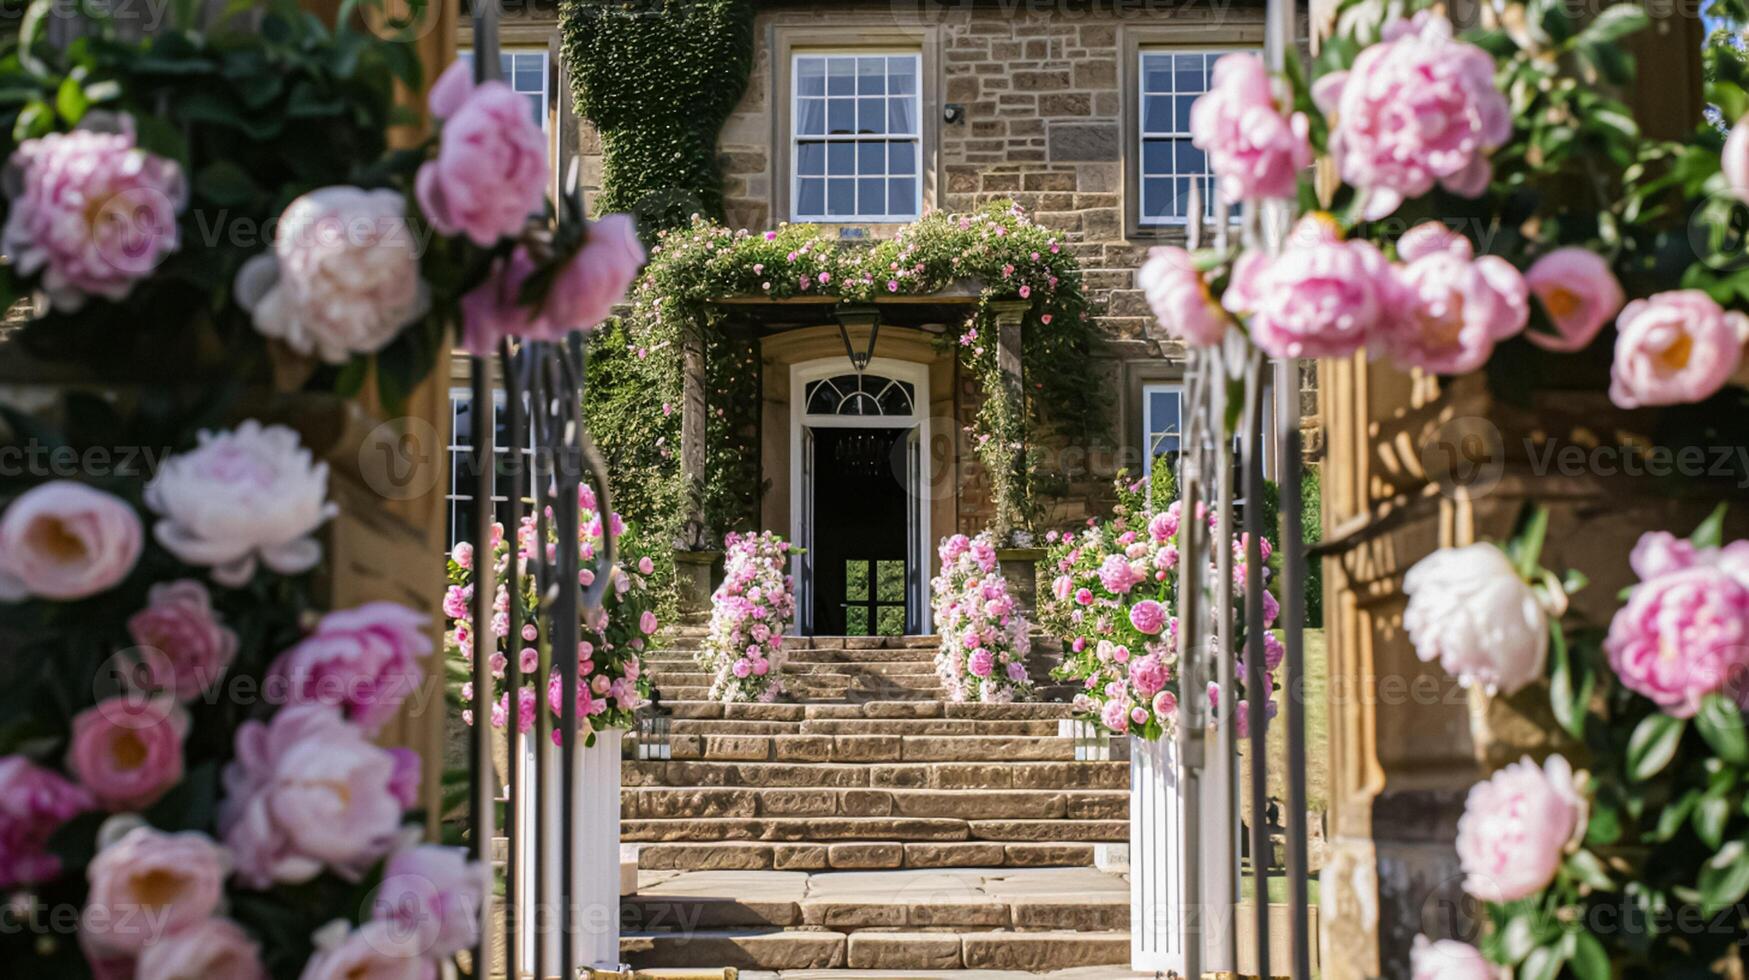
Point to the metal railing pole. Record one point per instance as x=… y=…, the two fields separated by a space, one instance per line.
x=1256 y=690
x=516 y=851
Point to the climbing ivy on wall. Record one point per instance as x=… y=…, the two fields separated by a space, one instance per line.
x=657 y=78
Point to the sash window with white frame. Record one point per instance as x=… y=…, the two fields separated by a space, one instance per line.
x=856 y=124
x=1170 y=80
x=524 y=69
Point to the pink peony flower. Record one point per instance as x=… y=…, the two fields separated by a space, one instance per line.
x=1515 y=827
x=249 y=495
x=1116 y=716
x=1180 y=299
x=63 y=540
x=374 y=951
x=1578 y=292
x=149 y=884
x=1674 y=348
x=493 y=310
x=1254 y=148
x=179 y=625
x=1117 y=575
x=1457 y=307
x=404 y=781
x=1321 y=297
x=1165 y=705
x=648 y=623
x=1449 y=959
x=1147 y=675
x=217 y=949
x=490 y=173
x=981 y=663
x=363 y=660
x=1062 y=587
x=1418 y=108
x=588 y=286
x=1469 y=610
x=307 y=791
x=1735 y=161
x=128 y=751
x=1148 y=617
x=1660 y=553
x=1684 y=634
x=34 y=803
x=90 y=211
x=343 y=275
x=433 y=894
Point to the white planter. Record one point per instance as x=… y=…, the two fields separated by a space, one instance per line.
x=1158 y=905
x=595 y=852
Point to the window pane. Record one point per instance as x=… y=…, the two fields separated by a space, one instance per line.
x=1156 y=157
x=841 y=159
x=1156 y=197
x=531 y=73
x=1189 y=74
x=871 y=116
x=856 y=621
x=902 y=116
x=902 y=197
x=871 y=196
x=871 y=76
x=890 y=581
x=1187 y=158
x=901 y=76
x=841 y=116
x=871 y=159
x=811 y=159
x=1156 y=73
x=1181 y=118
x=901 y=158
x=856 y=579
x=811 y=199
x=810 y=117
x=811 y=76
x=890 y=621
x=841 y=198
x=840 y=76
x=1157 y=114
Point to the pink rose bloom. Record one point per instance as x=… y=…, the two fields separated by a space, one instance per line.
x=1179 y=297
x=1242 y=715
x=1116 y=716
x=307 y=791
x=149 y=884
x=1084 y=596
x=647 y=623
x=1682 y=636
x=217 y=949
x=128 y=751
x=1735 y=161
x=1016 y=672
x=1062 y=587
x=491 y=168
x=981 y=663
x=1321 y=297
x=179 y=623
x=363 y=660
x=1578 y=292
x=1417 y=109
x=63 y=540
x=463 y=554
x=90 y=211
x=1117 y=575
x=1515 y=827
x=1674 y=348
x=1165 y=704
x=1448 y=959
x=645 y=565
x=742 y=667
x=374 y=951
x=433 y=894
x=1148 y=616
x=1457 y=306
x=1254 y=148
x=34 y=803
x=1163 y=527
x=588 y=286
x=1147 y=675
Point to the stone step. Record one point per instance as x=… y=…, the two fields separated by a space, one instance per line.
x=880 y=775
x=864 y=726
x=816 y=692
x=872 y=748
x=703 y=802
x=823 y=829
x=822 y=677
x=769 y=949
x=686 y=670
x=700 y=708
x=858 y=855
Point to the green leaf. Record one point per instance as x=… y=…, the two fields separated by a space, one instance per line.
x=1653 y=745
x=1526 y=548
x=70 y=101
x=1587 y=868
x=1721 y=723
x=1724 y=879
x=1605 y=826
x=1588 y=960
x=1543 y=963
x=1672 y=817
x=1615 y=23
x=1570 y=684
x=1710 y=816
x=224 y=183
x=1711 y=530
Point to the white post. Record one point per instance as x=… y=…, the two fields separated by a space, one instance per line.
x=595 y=848
x=1158 y=906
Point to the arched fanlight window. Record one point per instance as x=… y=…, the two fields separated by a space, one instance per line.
x=860 y=394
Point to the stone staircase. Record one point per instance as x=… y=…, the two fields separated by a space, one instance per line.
x=865 y=823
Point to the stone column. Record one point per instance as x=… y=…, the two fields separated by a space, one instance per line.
x=1012 y=527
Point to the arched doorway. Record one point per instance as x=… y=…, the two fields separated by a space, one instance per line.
x=860 y=510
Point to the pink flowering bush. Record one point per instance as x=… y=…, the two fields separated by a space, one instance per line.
x=610 y=678
x=1113 y=599
x=985 y=639
x=750 y=613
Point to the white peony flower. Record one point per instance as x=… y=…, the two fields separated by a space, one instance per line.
x=249 y=494
x=343 y=276
x=1469 y=610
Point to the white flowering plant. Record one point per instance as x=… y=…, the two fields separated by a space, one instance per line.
x=985 y=636
x=750 y=613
